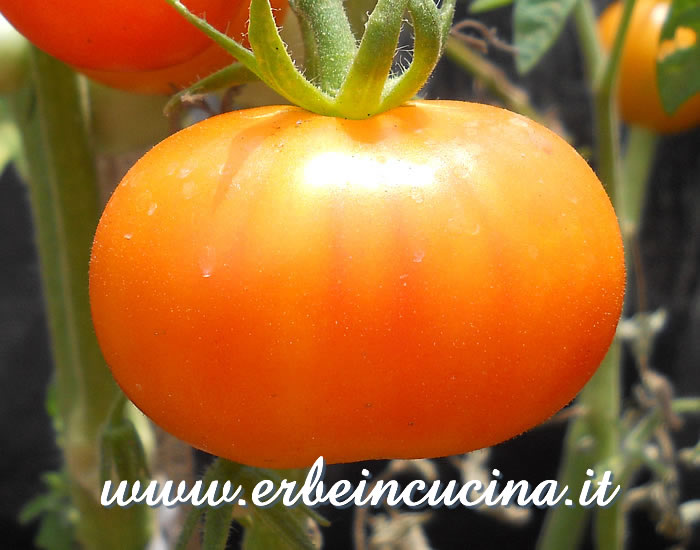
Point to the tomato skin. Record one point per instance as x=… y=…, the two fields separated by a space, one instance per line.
x=136 y=45
x=638 y=94
x=272 y=285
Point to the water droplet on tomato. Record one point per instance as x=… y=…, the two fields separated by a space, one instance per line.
x=152 y=209
x=128 y=236
x=188 y=189
x=207 y=261
x=418 y=256
x=457 y=224
x=232 y=189
x=518 y=121
x=417 y=195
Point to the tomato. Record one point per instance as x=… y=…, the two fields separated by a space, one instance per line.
x=137 y=45
x=638 y=94
x=272 y=285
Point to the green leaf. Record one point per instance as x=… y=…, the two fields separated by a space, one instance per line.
x=192 y=521
x=55 y=513
x=290 y=525
x=677 y=72
x=278 y=522
x=55 y=532
x=121 y=449
x=481 y=6
x=537 y=25
x=259 y=536
x=274 y=527
x=217 y=524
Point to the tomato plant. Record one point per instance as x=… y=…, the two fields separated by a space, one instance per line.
x=274 y=285
x=405 y=280
x=638 y=94
x=138 y=45
x=13 y=57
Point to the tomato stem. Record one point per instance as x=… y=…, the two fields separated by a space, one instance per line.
x=341 y=79
x=430 y=38
x=240 y=52
x=233 y=75
x=607 y=76
x=328 y=41
x=602 y=74
x=371 y=66
x=275 y=66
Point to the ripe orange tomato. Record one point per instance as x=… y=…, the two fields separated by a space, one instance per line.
x=638 y=94
x=137 y=45
x=272 y=285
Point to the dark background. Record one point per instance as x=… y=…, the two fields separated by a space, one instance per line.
x=670 y=252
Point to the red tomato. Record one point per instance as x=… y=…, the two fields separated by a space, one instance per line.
x=272 y=285
x=138 y=45
x=638 y=93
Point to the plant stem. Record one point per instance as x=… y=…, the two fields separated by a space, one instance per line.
x=65 y=205
x=601 y=396
x=590 y=437
x=637 y=163
x=329 y=42
x=367 y=86
x=362 y=89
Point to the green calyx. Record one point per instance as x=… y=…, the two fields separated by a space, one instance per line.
x=341 y=77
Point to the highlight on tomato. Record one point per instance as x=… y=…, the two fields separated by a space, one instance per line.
x=273 y=285
x=638 y=94
x=136 y=45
